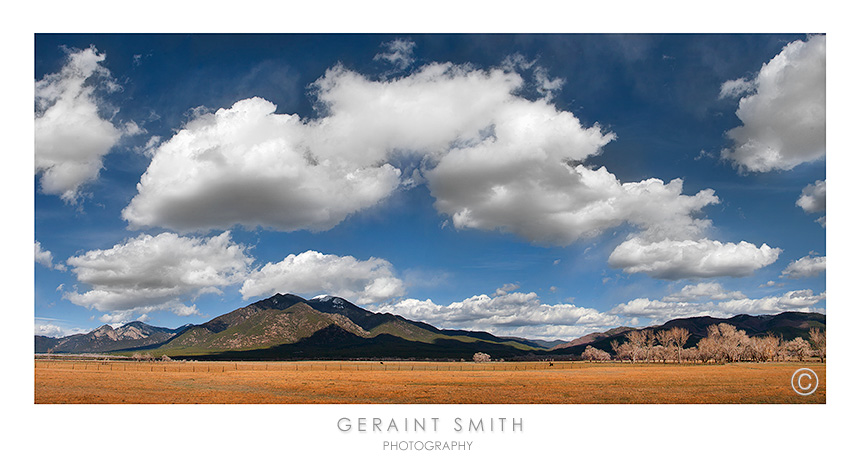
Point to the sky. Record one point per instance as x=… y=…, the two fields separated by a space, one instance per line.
x=540 y=186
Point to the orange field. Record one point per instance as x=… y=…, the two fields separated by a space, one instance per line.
x=69 y=381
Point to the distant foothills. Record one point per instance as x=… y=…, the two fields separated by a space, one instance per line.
x=288 y=327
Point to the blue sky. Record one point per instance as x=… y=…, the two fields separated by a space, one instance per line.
x=543 y=186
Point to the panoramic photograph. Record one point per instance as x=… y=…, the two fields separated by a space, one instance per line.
x=430 y=219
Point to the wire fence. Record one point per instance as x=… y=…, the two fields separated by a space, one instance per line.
x=298 y=366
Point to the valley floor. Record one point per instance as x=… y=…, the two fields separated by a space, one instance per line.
x=418 y=382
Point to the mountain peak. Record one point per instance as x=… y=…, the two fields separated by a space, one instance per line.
x=283 y=300
x=338 y=302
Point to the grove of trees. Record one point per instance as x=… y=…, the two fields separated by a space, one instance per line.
x=723 y=343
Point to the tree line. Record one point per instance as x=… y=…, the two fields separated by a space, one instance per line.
x=723 y=343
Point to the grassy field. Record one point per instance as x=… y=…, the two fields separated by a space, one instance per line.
x=418 y=382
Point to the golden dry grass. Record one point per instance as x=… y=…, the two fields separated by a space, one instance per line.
x=418 y=382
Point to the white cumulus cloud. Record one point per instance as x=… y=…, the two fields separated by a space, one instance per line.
x=806 y=267
x=703 y=258
x=71 y=137
x=314 y=273
x=163 y=272
x=45 y=258
x=547 y=201
x=249 y=166
x=813 y=199
x=784 y=112
x=511 y=314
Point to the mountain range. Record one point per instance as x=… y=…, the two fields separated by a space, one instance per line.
x=104 y=339
x=291 y=327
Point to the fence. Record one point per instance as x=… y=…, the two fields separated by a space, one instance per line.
x=298 y=366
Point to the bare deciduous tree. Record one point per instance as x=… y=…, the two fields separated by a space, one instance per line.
x=589 y=354
x=665 y=339
x=797 y=348
x=615 y=345
x=603 y=355
x=649 y=343
x=594 y=354
x=679 y=336
x=624 y=351
x=762 y=348
x=708 y=348
x=663 y=353
x=818 y=342
x=637 y=341
x=480 y=357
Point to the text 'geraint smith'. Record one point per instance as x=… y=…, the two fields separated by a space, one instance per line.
x=430 y=424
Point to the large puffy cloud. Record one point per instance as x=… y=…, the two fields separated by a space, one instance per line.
x=71 y=136
x=247 y=165
x=806 y=267
x=163 y=272
x=673 y=259
x=678 y=306
x=784 y=112
x=313 y=273
x=509 y=314
x=547 y=201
